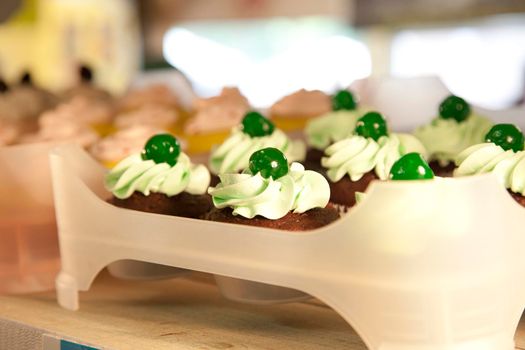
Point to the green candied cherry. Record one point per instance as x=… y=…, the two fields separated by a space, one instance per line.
x=343 y=100
x=162 y=148
x=507 y=136
x=372 y=125
x=411 y=166
x=255 y=125
x=454 y=107
x=269 y=162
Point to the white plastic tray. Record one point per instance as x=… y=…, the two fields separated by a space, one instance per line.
x=418 y=265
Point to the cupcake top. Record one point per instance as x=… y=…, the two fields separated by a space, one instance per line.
x=153 y=115
x=156 y=94
x=66 y=131
x=456 y=128
x=254 y=133
x=8 y=133
x=123 y=143
x=302 y=104
x=336 y=124
x=501 y=153
x=160 y=168
x=79 y=110
x=86 y=88
x=271 y=188
x=218 y=113
x=371 y=148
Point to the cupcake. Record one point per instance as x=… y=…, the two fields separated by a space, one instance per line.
x=293 y=111
x=332 y=126
x=352 y=163
x=161 y=179
x=455 y=129
x=152 y=115
x=22 y=104
x=115 y=147
x=155 y=94
x=272 y=194
x=254 y=133
x=87 y=89
x=82 y=111
x=411 y=166
x=214 y=118
x=32 y=99
x=502 y=154
x=66 y=131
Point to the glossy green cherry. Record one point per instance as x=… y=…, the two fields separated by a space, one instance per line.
x=372 y=125
x=411 y=166
x=162 y=148
x=343 y=100
x=454 y=107
x=507 y=136
x=255 y=125
x=269 y=162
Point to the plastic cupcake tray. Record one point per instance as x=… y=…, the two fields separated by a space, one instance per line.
x=423 y=265
x=29 y=256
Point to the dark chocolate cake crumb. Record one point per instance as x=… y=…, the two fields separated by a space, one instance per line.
x=442 y=171
x=309 y=220
x=343 y=191
x=183 y=204
x=518 y=198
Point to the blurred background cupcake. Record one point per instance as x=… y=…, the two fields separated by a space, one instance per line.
x=213 y=118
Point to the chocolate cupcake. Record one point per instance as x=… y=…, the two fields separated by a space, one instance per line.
x=331 y=127
x=271 y=194
x=456 y=128
x=411 y=166
x=254 y=133
x=503 y=154
x=352 y=163
x=160 y=180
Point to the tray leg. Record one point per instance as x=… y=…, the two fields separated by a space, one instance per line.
x=394 y=319
x=67 y=291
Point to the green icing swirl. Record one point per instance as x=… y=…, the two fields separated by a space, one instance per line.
x=145 y=176
x=445 y=138
x=331 y=127
x=357 y=155
x=250 y=195
x=233 y=155
x=508 y=166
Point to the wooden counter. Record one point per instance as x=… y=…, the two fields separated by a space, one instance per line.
x=172 y=314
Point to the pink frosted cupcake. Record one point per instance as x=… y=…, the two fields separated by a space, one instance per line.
x=214 y=118
x=66 y=131
x=157 y=94
x=80 y=110
x=151 y=115
x=113 y=148
x=87 y=89
x=292 y=112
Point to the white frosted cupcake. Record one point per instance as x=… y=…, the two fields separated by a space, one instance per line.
x=455 y=129
x=254 y=133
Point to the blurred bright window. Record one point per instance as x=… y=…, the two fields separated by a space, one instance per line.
x=269 y=58
x=483 y=61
